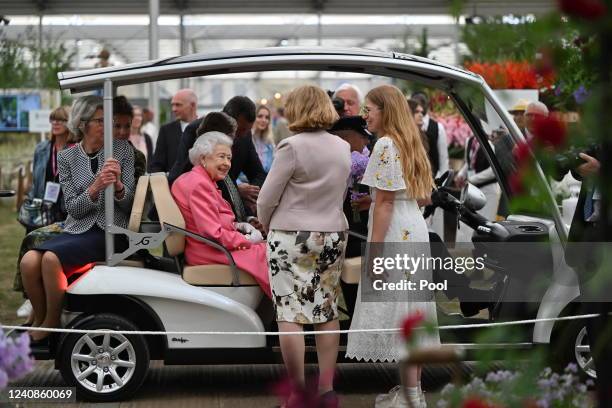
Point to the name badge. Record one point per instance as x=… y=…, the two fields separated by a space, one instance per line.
x=52 y=192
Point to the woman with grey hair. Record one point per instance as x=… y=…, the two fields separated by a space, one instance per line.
x=208 y=214
x=84 y=174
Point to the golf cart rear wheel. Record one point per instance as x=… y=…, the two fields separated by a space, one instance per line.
x=572 y=346
x=107 y=366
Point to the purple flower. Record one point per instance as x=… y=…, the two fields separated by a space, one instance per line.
x=359 y=164
x=3 y=379
x=15 y=360
x=581 y=95
x=559 y=89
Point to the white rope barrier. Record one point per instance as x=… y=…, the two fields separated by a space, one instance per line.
x=245 y=333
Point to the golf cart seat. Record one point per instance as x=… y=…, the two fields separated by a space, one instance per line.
x=199 y=275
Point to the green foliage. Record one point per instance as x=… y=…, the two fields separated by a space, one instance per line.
x=54 y=58
x=20 y=59
x=496 y=40
x=15 y=69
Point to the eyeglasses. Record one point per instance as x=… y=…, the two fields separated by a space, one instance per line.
x=60 y=121
x=99 y=121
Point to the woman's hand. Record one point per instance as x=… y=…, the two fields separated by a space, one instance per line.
x=362 y=203
x=422 y=202
x=104 y=179
x=113 y=166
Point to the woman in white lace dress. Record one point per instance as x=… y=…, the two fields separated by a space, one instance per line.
x=399 y=176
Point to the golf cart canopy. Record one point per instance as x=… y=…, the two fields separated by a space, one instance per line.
x=389 y=64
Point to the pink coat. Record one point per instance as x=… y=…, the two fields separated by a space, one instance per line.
x=208 y=214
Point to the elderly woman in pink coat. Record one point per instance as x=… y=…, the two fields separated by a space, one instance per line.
x=208 y=214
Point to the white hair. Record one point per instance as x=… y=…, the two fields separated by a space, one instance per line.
x=205 y=145
x=537 y=106
x=346 y=86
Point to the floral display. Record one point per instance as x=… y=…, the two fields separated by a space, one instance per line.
x=457 y=133
x=15 y=360
x=512 y=75
x=504 y=388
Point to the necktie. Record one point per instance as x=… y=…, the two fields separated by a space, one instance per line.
x=588 y=204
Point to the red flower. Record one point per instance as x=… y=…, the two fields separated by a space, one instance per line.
x=475 y=402
x=513 y=74
x=586 y=9
x=549 y=131
x=410 y=323
x=516 y=182
x=521 y=152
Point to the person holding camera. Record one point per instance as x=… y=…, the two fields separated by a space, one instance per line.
x=352 y=98
x=587 y=228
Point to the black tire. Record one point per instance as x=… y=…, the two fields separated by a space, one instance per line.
x=136 y=353
x=563 y=350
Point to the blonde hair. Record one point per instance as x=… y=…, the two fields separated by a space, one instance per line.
x=398 y=123
x=267 y=134
x=63 y=113
x=308 y=109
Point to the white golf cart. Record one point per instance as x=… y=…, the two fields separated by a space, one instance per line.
x=127 y=293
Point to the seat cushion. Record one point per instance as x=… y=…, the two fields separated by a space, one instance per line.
x=351 y=270
x=214 y=275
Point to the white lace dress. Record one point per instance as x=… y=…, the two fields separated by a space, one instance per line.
x=384 y=172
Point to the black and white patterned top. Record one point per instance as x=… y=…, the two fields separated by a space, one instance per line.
x=76 y=176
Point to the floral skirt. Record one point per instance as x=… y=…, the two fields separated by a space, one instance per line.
x=305 y=269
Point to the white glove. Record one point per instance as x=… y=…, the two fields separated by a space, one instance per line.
x=254 y=236
x=244 y=227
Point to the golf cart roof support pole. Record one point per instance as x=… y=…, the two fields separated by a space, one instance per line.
x=109 y=192
x=153 y=55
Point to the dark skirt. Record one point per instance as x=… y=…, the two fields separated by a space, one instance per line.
x=77 y=250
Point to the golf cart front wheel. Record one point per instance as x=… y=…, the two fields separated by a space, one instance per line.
x=104 y=366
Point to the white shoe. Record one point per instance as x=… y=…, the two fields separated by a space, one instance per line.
x=395 y=398
x=25 y=309
x=422 y=399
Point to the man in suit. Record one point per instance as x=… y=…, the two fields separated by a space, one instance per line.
x=585 y=257
x=244 y=155
x=184 y=105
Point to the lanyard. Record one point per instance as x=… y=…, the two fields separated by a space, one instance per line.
x=54 y=161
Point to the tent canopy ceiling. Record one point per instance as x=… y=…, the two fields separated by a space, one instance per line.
x=122 y=7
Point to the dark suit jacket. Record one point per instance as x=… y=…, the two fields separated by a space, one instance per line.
x=582 y=251
x=244 y=157
x=182 y=163
x=166 y=149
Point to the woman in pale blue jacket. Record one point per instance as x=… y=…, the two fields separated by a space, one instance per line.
x=44 y=168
